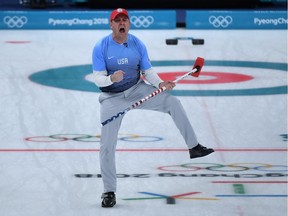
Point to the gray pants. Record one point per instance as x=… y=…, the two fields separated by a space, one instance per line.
x=112 y=103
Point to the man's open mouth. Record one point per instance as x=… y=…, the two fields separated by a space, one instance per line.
x=122 y=30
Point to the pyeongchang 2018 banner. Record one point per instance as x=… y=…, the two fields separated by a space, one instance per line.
x=236 y=20
x=165 y=19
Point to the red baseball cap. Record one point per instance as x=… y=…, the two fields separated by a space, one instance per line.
x=118 y=11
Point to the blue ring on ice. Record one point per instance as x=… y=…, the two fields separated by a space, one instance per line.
x=73 y=78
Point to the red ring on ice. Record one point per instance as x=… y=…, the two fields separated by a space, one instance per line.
x=209 y=77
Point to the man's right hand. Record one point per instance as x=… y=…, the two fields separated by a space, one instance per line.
x=117 y=76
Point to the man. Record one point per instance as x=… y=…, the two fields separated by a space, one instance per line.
x=119 y=60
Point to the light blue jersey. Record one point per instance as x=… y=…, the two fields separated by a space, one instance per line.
x=130 y=57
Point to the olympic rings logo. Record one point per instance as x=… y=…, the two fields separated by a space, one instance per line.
x=15 y=21
x=90 y=138
x=142 y=21
x=220 y=21
x=235 y=167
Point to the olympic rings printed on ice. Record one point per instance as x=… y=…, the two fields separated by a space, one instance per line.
x=142 y=21
x=91 y=138
x=220 y=21
x=235 y=167
x=15 y=21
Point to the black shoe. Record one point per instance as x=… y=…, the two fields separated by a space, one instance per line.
x=109 y=199
x=200 y=151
